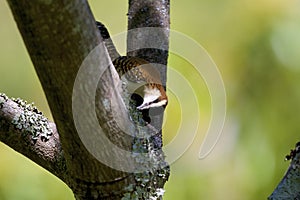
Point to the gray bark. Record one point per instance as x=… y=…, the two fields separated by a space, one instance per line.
x=289 y=186
x=143 y=14
x=23 y=137
x=59 y=35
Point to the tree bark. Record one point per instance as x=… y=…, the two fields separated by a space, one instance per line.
x=60 y=36
x=289 y=186
x=25 y=129
x=141 y=15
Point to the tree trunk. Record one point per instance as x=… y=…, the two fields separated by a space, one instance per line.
x=80 y=84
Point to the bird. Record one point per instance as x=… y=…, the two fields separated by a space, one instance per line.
x=138 y=72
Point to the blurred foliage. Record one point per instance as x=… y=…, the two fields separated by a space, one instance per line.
x=255 y=45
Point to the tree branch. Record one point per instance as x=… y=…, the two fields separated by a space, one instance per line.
x=143 y=14
x=26 y=130
x=61 y=37
x=153 y=13
x=289 y=186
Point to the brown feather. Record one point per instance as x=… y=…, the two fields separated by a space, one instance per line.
x=139 y=70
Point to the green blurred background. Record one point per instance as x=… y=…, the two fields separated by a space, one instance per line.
x=256 y=47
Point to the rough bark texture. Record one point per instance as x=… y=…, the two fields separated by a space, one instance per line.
x=26 y=130
x=143 y=14
x=59 y=35
x=151 y=44
x=289 y=186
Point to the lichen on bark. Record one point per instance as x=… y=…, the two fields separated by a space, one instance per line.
x=31 y=121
